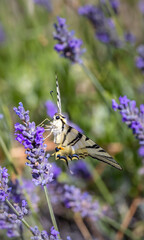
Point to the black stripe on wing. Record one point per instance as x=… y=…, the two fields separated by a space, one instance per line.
x=109 y=160
x=93 y=146
x=75 y=140
x=65 y=135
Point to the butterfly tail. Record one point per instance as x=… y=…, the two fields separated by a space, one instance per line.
x=101 y=155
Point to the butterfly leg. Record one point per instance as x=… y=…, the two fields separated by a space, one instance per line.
x=41 y=124
x=48 y=135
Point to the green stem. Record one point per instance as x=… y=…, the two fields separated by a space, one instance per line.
x=8 y=155
x=51 y=209
x=16 y=212
x=97 y=85
x=102 y=187
x=117 y=226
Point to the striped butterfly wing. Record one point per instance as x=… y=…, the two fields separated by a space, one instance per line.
x=73 y=145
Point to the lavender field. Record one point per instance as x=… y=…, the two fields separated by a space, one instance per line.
x=96 y=51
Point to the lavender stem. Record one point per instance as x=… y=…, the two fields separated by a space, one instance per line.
x=97 y=85
x=102 y=187
x=51 y=210
x=16 y=212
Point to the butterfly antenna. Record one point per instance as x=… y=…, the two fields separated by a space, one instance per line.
x=58 y=96
x=51 y=93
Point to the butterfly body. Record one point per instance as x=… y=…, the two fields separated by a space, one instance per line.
x=72 y=144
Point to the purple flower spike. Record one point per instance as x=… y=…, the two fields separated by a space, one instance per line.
x=129 y=38
x=81 y=202
x=140 y=58
x=114 y=105
x=104 y=26
x=44 y=235
x=4 y=189
x=133 y=117
x=81 y=170
x=68 y=46
x=8 y=219
x=32 y=138
x=44 y=3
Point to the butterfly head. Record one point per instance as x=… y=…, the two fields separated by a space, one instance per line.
x=58 y=120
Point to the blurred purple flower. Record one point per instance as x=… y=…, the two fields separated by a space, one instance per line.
x=81 y=169
x=133 y=117
x=141 y=151
x=2 y=34
x=44 y=235
x=44 y=3
x=30 y=188
x=80 y=202
x=141 y=6
x=104 y=26
x=4 y=188
x=51 y=109
x=32 y=138
x=1 y=116
x=56 y=170
x=130 y=38
x=140 y=58
x=113 y=3
x=77 y=201
x=68 y=46
x=114 y=105
x=9 y=220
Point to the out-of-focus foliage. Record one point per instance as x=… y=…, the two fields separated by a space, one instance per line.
x=28 y=65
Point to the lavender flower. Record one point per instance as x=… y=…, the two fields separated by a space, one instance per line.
x=129 y=38
x=104 y=26
x=68 y=46
x=4 y=189
x=114 y=4
x=31 y=137
x=56 y=170
x=81 y=170
x=51 y=109
x=22 y=210
x=44 y=3
x=1 y=116
x=140 y=58
x=31 y=192
x=80 y=202
x=63 y=195
x=9 y=220
x=44 y=235
x=133 y=117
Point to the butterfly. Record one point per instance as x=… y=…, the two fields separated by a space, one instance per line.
x=71 y=144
